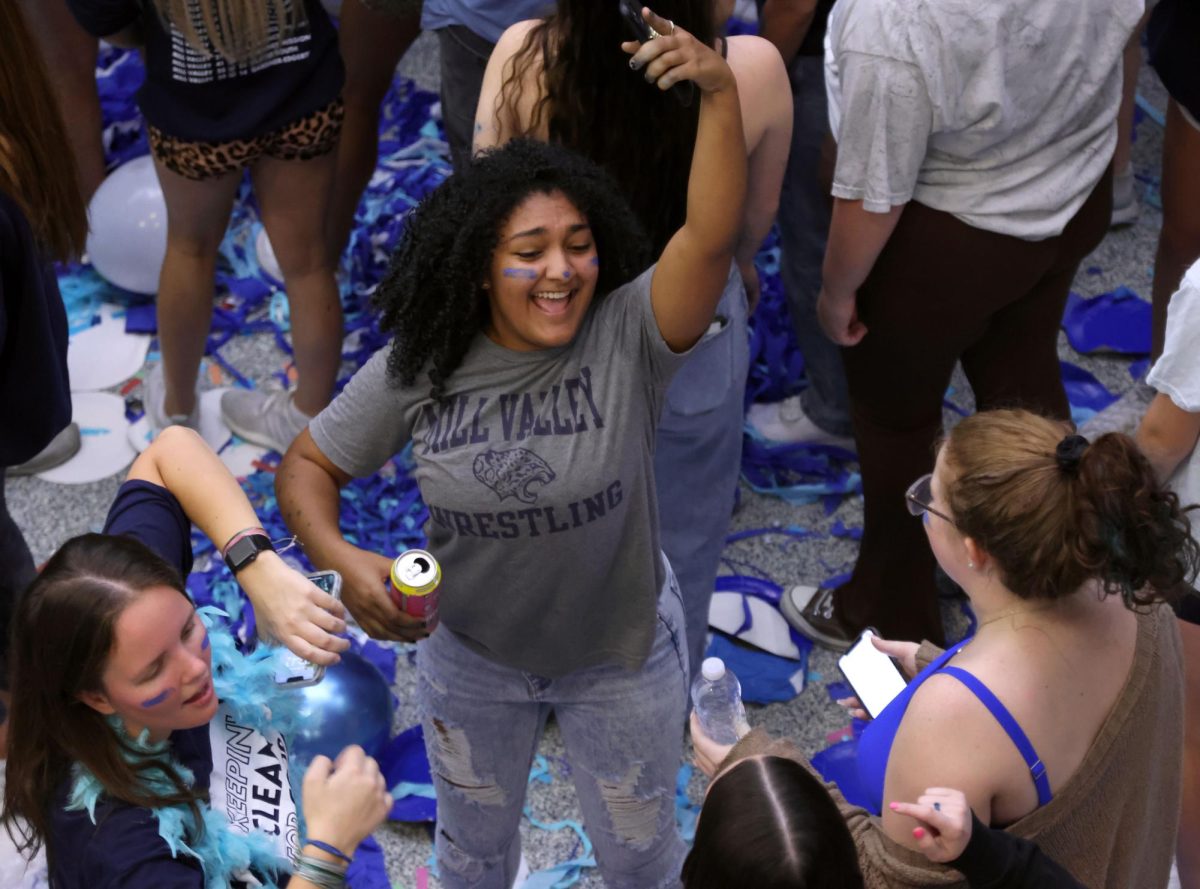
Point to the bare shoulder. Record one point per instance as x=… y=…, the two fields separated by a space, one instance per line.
x=763 y=88
x=513 y=38
x=514 y=34
x=942 y=733
x=755 y=61
x=939 y=743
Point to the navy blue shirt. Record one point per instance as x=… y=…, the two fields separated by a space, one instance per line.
x=205 y=98
x=35 y=394
x=123 y=849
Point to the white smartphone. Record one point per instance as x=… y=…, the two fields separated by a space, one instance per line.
x=873 y=675
x=293 y=670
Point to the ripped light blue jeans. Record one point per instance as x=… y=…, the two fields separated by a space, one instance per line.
x=623 y=732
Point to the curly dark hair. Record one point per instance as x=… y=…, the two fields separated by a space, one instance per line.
x=432 y=300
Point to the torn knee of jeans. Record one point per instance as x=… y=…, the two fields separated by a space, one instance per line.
x=452 y=751
x=635 y=817
x=455 y=860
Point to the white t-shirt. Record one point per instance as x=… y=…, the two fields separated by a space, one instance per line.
x=1002 y=113
x=1176 y=375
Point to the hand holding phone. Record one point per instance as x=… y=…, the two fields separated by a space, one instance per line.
x=292 y=670
x=873 y=675
x=640 y=30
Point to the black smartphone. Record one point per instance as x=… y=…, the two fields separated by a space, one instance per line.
x=631 y=14
x=873 y=675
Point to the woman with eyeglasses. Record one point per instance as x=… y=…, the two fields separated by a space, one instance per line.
x=1060 y=719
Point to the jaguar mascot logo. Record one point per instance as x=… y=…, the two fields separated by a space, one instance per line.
x=510 y=473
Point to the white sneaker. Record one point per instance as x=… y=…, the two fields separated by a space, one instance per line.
x=154 y=400
x=268 y=419
x=785 y=421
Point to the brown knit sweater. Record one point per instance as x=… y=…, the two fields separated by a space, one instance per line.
x=1112 y=825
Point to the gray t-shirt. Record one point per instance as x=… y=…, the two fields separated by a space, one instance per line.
x=538 y=474
x=1002 y=113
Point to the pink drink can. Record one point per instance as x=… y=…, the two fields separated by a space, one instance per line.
x=414 y=581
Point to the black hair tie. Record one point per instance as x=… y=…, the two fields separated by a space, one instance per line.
x=1070 y=452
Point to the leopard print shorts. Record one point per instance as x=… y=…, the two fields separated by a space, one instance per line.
x=311 y=136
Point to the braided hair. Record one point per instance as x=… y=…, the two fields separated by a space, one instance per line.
x=432 y=300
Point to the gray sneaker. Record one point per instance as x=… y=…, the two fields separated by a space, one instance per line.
x=268 y=419
x=62 y=448
x=154 y=399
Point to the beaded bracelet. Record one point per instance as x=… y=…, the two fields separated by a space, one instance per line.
x=320 y=873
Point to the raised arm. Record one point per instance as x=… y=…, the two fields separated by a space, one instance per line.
x=694 y=266
x=287 y=607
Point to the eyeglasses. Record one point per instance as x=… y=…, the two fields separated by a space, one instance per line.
x=919 y=495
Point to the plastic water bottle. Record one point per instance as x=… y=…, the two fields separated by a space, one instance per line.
x=717 y=699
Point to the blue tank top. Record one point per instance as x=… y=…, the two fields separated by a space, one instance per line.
x=875 y=743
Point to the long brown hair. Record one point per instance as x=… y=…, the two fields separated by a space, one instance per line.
x=591 y=102
x=62 y=636
x=1056 y=513
x=37 y=168
x=238 y=30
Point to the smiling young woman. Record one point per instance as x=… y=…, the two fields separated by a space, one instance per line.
x=530 y=357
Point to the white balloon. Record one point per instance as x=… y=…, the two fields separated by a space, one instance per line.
x=127 y=222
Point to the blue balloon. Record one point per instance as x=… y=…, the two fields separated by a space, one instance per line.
x=351 y=705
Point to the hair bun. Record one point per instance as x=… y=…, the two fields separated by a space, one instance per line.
x=1069 y=452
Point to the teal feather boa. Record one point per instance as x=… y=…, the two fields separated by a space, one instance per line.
x=245 y=685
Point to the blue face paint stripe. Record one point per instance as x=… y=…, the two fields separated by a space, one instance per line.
x=204 y=644
x=521 y=273
x=157 y=699
x=595 y=260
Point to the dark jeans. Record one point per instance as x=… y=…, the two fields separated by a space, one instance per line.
x=943 y=291
x=804 y=211
x=464 y=58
